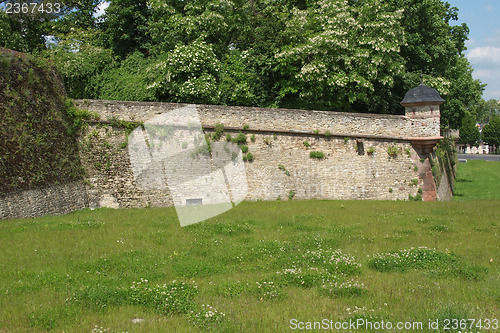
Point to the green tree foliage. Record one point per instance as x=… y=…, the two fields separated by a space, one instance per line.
x=26 y=31
x=187 y=74
x=340 y=54
x=81 y=15
x=80 y=61
x=127 y=81
x=463 y=93
x=240 y=83
x=486 y=109
x=434 y=47
x=469 y=133
x=125 y=27
x=343 y=55
x=491 y=132
x=23 y=32
x=176 y=23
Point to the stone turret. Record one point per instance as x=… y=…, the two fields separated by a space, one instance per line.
x=422 y=107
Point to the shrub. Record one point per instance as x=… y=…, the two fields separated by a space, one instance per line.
x=317 y=154
x=248 y=157
x=393 y=151
x=252 y=138
x=219 y=129
x=245 y=127
x=240 y=139
x=244 y=149
x=228 y=137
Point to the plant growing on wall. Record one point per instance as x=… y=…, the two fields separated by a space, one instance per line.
x=393 y=151
x=327 y=134
x=218 y=131
x=306 y=143
x=408 y=152
x=370 y=150
x=248 y=157
x=317 y=154
x=282 y=167
x=240 y=139
x=418 y=197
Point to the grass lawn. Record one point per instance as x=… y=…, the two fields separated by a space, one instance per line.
x=261 y=264
x=478 y=180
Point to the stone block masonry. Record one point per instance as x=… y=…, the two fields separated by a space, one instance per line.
x=365 y=156
x=341 y=123
x=50 y=200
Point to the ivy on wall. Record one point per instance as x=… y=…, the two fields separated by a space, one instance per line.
x=38 y=143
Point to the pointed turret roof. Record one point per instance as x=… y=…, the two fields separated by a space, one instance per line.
x=422 y=95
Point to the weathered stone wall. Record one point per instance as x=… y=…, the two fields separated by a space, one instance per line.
x=344 y=173
x=50 y=200
x=357 y=164
x=352 y=124
x=109 y=177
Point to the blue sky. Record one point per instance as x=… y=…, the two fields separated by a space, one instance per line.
x=483 y=46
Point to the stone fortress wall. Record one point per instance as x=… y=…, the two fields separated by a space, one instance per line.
x=357 y=164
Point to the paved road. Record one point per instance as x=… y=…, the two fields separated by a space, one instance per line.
x=484 y=157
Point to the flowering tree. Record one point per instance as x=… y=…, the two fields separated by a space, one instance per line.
x=187 y=74
x=340 y=54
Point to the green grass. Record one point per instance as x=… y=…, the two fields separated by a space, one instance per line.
x=261 y=264
x=477 y=180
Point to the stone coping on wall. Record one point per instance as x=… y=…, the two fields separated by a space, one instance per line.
x=169 y=106
x=339 y=124
x=417 y=140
